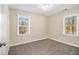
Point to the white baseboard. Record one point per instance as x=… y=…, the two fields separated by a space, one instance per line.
x=65 y=42
x=44 y=39
x=26 y=42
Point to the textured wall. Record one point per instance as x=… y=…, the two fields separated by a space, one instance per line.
x=38 y=27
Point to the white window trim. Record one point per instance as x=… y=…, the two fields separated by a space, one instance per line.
x=27 y=33
x=77 y=26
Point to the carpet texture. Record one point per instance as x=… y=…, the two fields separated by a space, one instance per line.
x=44 y=47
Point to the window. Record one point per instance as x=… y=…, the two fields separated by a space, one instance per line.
x=23 y=25
x=71 y=25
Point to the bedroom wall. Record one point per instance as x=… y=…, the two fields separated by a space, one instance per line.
x=38 y=29
x=56 y=28
x=42 y=27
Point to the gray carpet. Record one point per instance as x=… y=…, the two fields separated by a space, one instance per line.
x=44 y=47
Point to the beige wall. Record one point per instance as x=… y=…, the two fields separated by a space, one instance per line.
x=38 y=29
x=42 y=27
x=56 y=28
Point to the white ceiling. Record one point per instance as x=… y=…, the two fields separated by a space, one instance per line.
x=35 y=8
